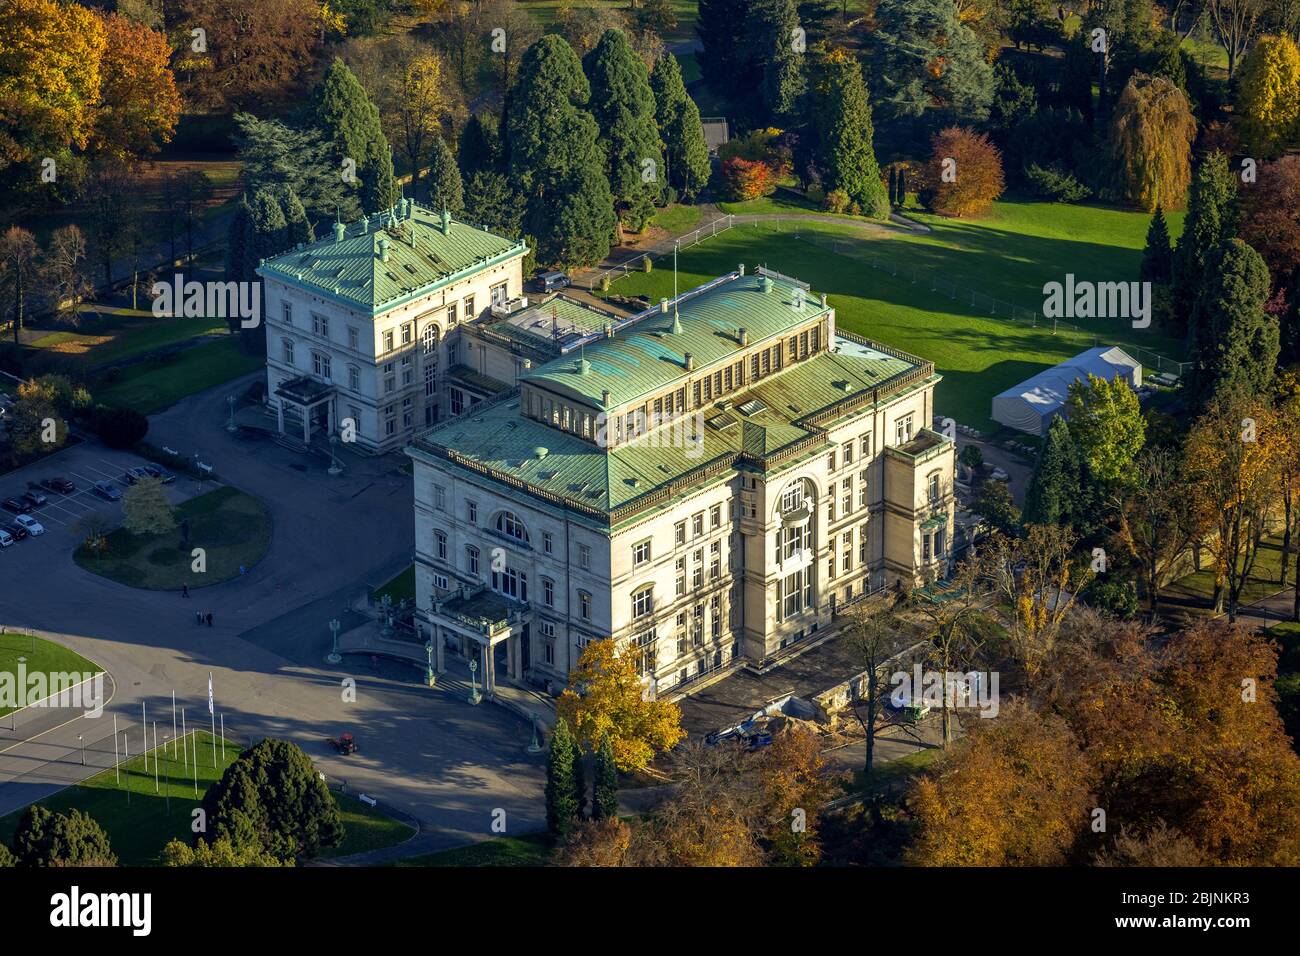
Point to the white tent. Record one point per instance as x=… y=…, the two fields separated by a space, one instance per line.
x=1030 y=406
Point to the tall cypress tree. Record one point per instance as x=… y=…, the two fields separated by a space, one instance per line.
x=721 y=28
x=1055 y=487
x=1211 y=221
x=604 y=793
x=847 y=157
x=555 y=160
x=238 y=236
x=446 y=191
x=344 y=113
x=1158 y=256
x=624 y=108
x=297 y=227
x=269 y=226
x=770 y=30
x=480 y=146
x=686 y=154
x=1236 y=343
x=562 y=805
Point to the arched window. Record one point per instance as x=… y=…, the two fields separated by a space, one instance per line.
x=508 y=523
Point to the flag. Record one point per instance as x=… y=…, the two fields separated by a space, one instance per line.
x=211 y=709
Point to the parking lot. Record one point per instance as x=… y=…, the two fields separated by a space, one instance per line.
x=83 y=465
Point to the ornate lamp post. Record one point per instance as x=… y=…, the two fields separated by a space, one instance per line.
x=335 y=468
x=429 y=677
x=333 y=656
x=536 y=746
x=386 y=612
x=474 y=695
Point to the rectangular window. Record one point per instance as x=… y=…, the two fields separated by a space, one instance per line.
x=406 y=333
x=352 y=338
x=640 y=553
x=548 y=592
x=715 y=516
x=584 y=605
x=288 y=351
x=547 y=542
x=697 y=524
x=354 y=378
x=680 y=568
x=584 y=557
x=903 y=430
x=471 y=511
x=679 y=533
x=469 y=307
x=471 y=560
x=439 y=498
x=388 y=341
x=440 y=581
x=287 y=312
x=440 y=545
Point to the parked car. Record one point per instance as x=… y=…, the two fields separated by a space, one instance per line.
x=60 y=485
x=166 y=477
x=16 y=531
x=35 y=498
x=135 y=474
x=107 y=490
x=30 y=524
x=16 y=505
x=553 y=280
x=6 y=539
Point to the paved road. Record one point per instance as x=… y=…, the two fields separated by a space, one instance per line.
x=424 y=751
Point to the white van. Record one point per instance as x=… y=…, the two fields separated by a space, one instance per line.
x=554 y=280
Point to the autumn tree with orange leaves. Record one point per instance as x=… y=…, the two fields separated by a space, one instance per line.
x=964 y=174
x=1149 y=747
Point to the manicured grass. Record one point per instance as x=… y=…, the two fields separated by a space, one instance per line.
x=233 y=529
x=1198 y=587
x=545 y=11
x=38 y=656
x=402 y=586
x=895 y=775
x=677 y=219
x=366 y=828
x=124 y=335
x=150 y=387
x=139 y=823
x=1009 y=256
x=533 y=849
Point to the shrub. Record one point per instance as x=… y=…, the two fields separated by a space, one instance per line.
x=1055 y=184
x=119 y=427
x=836 y=201
x=1113 y=595
x=744 y=179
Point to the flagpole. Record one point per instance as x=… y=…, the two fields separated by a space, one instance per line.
x=223 y=736
x=186 y=749
x=173 y=723
x=126 y=745
x=144 y=736
x=117 y=773
x=155 y=756
x=212 y=714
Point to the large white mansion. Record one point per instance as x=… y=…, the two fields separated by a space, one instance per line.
x=707 y=480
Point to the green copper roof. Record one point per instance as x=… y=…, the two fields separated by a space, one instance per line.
x=647 y=356
x=496 y=439
x=422 y=256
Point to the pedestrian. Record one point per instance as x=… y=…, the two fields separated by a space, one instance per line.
x=185 y=590
x=209 y=619
x=198 y=617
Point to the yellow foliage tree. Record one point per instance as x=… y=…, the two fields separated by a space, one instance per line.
x=1151 y=139
x=50 y=56
x=1268 y=96
x=605 y=696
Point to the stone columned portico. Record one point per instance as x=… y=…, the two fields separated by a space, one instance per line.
x=305 y=394
x=477 y=620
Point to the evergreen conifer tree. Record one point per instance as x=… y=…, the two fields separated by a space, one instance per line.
x=604 y=795
x=686 y=154
x=562 y=804
x=1158 y=256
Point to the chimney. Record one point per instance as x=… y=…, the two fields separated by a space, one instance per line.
x=741 y=268
x=339 y=231
x=690 y=362
x=663 y=306
x=743 y=335
x=765 y=285
x=823 y=300
x=604 y=397
x=446 y=221
x=383 y=249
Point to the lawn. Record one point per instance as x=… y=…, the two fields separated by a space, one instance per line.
x=233 y=529
x=135 y=816
x=1287 y=634
x=1008 y=255
x=1197 y=588
x=366 y=828
x=151 y=387
x=533 y=849
x=122 y=335
x=894 y=776
x=139 y=823
x=677 y=219
x=38 y=655
x=402 y=586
